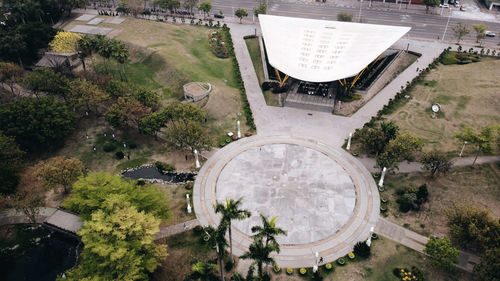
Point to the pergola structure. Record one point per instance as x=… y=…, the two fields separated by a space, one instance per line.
x=323 y=51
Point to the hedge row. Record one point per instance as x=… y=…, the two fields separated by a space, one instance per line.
x=239 y=80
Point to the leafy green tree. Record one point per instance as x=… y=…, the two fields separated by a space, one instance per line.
x=117 y=88
x=120 y=53
x=148 y=98
x=436 y=162
x=402 y=147
x=58 y=171
x=184 y=112
x=36 y=123
x=44 y=79
x=260 y=254
x=203 y=271
x=482 y=140
x=430 y=3
x=126 y=113
x=442 y=253
x=171 y=5
x=240 y=13
x=10 y=162
x=361 y=249
x=344 y=16
x=135 y=6
x=205 y=7
x=89 y=193
x=9 y=74
x=487 y=268
x=460 y=30
x=480 y=29
x=261 y=9
x=268 y=232
x=86 y=96
x=231 y=211
x=152 y=124
x=119 y=243
x=190 y=4
x=188 y=135
x=85 y=48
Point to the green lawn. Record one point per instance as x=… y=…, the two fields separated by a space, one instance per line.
x=255 y=55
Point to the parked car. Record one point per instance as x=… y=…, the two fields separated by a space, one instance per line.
x=445 y=5
x=462 y=8
x=489 y=33
x=218 y=16
x=457 y=4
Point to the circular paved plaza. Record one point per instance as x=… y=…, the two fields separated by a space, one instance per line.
x=323 y=197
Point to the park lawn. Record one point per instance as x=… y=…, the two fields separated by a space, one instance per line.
x=468 y=96
x=256 y=56
x=176 y=195
x=476 y=185
x=386 y=255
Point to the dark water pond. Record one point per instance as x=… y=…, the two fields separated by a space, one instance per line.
x=40 y=254
x=151 y=173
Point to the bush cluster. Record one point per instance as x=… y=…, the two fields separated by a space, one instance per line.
x=164 y=167
x=241 y=85
x=217 y=45
x=412 y=198
x=408 y=275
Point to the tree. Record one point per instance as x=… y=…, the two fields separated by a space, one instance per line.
x=147 y=98
x=9 y=74
x=344 y=16
x=36 y=123
x=126 y=112
x=480 y=29
x=120 y=53
x=10 y=162
x=89 y=193
x=65 y=42
x=436 y=162
x=44 y=79
x=190 y=4
x=240 y=13
x=472 y=226
x=58 y=171
x=203 y=271
x=430 y=3
x=29 y=203
x=460 y=30
x=86 y=96
x=482 y=140
x=170 y=5
x=152 y=124
x=402 y=147
x=487 y=268
x=135 y=6
x=361 y=249
x=188 y=135
x=442 y=253
x=231 y=211
x=205 y=6
x=260 y=254
x=261 y=9
x=85 y=47
x=184 y=112
x=218 y=240
x=268 y=232
x=119 y=243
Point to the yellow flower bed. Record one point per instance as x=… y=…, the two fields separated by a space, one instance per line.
x=289 y=270
x=303 y=271
x=65 y=42
x=328 y=266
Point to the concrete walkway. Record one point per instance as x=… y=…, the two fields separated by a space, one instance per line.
x=176 y=229
x=410 y=167
x=13 y=216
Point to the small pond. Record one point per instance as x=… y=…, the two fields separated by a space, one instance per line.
x=28 y=252
x=150 y=172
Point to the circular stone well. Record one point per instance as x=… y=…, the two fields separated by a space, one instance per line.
x=312 y=195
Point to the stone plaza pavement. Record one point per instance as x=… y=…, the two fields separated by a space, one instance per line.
x=287 y=125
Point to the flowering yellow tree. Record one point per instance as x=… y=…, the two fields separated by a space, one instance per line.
x=65 y=42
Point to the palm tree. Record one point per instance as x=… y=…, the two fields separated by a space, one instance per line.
x=268 y=232
x=229 y=212
x=218 y=239
x=104 y=48
x=260 y=254
x=85 y=48
x=120 y=54
x=204 y=271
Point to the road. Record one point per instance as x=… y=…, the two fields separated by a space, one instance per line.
x=424 y=26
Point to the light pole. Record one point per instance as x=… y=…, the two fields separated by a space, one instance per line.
x=462 y=151
x=348 y=147
x=197 y=162
x=369 y=241
x=188 y=205
x=446 y=27
x=381 y=182
x=315 y=268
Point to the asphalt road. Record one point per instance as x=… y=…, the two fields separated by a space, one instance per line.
x=424 y=26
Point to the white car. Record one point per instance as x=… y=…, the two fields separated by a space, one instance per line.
x=445 y=5
x=489 y=33
x=457 y=4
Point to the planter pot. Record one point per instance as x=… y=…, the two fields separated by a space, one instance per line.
x=341 y=261
x=302 y=271
x=374 y=236
x=329 y=266
x=383 y=199
x=289 y=271
x=351 y=255
x=383 y=209
x=381 y=189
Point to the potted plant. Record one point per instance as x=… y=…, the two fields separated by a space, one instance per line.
x=341 y=261
x=351 y=256
x=302 y=271
x=289 y=271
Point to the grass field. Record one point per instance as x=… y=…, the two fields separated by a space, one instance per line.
x=255 y=55
x=468 y=96
x=478 y=185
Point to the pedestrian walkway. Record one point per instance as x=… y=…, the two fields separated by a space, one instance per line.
x=13 y=216
x=410 y=167
x=176 y=229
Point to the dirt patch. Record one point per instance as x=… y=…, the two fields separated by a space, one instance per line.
x=478 y=185
x=397 y=66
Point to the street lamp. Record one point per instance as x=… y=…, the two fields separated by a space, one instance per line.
x=461 y=151
x=315 y=268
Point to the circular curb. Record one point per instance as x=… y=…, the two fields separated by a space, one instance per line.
x=357 y=229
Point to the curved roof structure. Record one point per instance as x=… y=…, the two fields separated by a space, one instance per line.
x=321 y=50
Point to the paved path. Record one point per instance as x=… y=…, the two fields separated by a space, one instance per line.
x=177 y=228
x=410 y=167
x=12 y=216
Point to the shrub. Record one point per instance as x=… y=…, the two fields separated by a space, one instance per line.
x=132 y=145
x=188 y=185
x=329 y=266
x=228 y=265
x=422 y=193
x=119 y=155
x=341 y=261
x=164 y=167
x=109 y=146
x=302 y=271
x=141 y=182
x=362 y=250
x=276 y=268
x=198 y=229
x=249 y=36
x=351 y=255
x=289 y=271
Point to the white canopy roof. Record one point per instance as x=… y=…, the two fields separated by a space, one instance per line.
x=321 y=50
